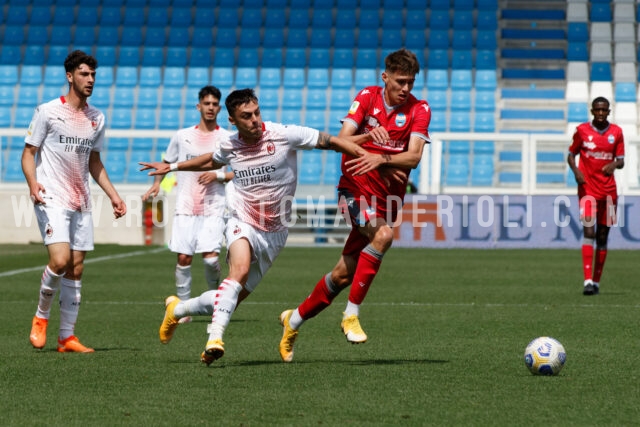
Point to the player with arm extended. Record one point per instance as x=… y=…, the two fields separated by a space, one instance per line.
x=62 y=148
x=396 y=124
x=198 y=224
x=600 y=145
x=262 y=156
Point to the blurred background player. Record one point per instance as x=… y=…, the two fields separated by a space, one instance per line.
x=66 y=136
x=198 y=224
x=263 y=157
x=600 y=145
x=395 y=124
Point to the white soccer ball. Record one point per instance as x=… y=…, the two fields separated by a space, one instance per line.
x=545 y=356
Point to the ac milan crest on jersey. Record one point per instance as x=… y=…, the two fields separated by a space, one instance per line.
x=271 y=148
x=48 y=230
x=236 y=230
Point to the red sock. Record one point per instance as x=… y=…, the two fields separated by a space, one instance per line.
x=320 y=298
x=587 y=260
x=601 y=256
x=366 y=271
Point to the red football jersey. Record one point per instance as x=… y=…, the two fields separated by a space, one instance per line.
x=596 y=149
x=401 y=122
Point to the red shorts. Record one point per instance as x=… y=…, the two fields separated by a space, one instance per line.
x=602 y=211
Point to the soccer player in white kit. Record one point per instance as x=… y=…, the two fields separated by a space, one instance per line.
x=62 y=148
x=263 y=159
x=198 y=224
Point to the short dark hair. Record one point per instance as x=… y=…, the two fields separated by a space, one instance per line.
x=209 y=90
x=77 y=58
x=402 y=61
x=600 y=99
x=239 y=97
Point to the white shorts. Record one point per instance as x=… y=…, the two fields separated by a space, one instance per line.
x=265 y=247
x=195 y=234
x=59 y=225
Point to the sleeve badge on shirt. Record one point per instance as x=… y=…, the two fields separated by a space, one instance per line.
x=354 y=107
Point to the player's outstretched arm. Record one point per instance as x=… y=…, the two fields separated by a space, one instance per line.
x=197 y=164
x=405 y=160
x=341 y=145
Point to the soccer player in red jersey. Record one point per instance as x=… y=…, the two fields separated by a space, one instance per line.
x=392 y=123
x=600 y=145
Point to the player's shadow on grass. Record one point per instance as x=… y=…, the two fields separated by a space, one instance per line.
x=390 y=362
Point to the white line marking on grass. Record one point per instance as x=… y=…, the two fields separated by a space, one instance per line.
x=86 y=261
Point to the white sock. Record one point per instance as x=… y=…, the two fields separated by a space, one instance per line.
x=183 y=281
x=70 y=298
x=201 y=305
x=295 y=321
x=352 y=309
x=49 y=285
x=212 y=271
x=226 y=299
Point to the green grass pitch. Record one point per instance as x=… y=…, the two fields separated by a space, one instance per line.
x=447 y=332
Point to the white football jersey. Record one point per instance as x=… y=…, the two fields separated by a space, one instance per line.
x=265 y=174
x=194 y=198
x=65 y=137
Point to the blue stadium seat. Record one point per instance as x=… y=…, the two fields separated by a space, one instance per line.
x=625 y=92
x=106 y=55
x=340 y=99
x=462 y=20
x=484 y=121
x=462 y=59
x=150 y=76
x=484 y=148
x=222 y=77
x=178 y=37
x=203 y=38
x=437 y=79
x=486 y=60
x=115 y=165
x=7 y=98
x=392 y=19
x=227 y=17
x=171 y=97
x=31 y=75
x=180 y=17
x=459 y=147
x=439 y=20
x=251 y=17
x=320 y=38
x=226 y=37
x=321 y=18
x=176 y=57
x=104 y=76
x=34 y=55
x=297 y=38
x=320 y=58
x=12 y=170
x=315 y=119
x=295 y=57
x=204 y=18
x=457 y=170
x=22 y=116
x=154 y=36
x=64 y=15
x=200 y=57
x=192 y=117
x=438 y=99
x=57 y=55
x=482 y=171
x=415 y=38
x=318 y=78
x=299 y=18
x=123 y=97
x=134 y=17
x=310 y=171
x=173 y=77
x=271 y=58
x=485 y=100
x=344 y=39
x=126 y=76
x=130 y=56
x=486 y=40
x=316 y=99
x=11 y=55
x=392 y=40
x=60 y=36
x=17 y=15
x=462 y=39
x=5 y=117
x=366 y=58
x=369 y=18
x=577 y=51
x=197 y=77
x=577 y=112
x=250 y=38
x=8 y=74
x=463 y=5
x=248 y=58
x=486 y=79
x=131 y=36
x=224 y=57
x=368 y=39
x=292 y=98
x=273 y=38
x=87 y=16
x=147 y=97
x=37 y=35
x=120 y=118
x=346 y=18
x=438 y=39
x=601 y=72
x=13 y=35
x=341 y=78
x=108 y=36
x=288 y=116
x=101 y=96
x=110 y=15
x=270 y=77
x=600 y=12
x=269 y=97
x=460 y=100
x=145 y=118
x=246 y=77
x=577 y=32
x=169 y=118
x=369 y=77
x=460 y=121
x=487 y=20
x=275 y=17
x=294 y=78
x=157 y=17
